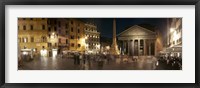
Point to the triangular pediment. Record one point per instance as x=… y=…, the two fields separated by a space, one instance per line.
x=136 y=30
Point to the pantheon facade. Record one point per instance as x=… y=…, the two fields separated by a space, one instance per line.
x=138 y=41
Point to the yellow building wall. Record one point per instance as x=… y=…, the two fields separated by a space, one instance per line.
x=37 y=33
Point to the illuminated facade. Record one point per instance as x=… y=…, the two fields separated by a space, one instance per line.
x=174 y=32
x=138 y=41
x=56 y=35
x=174 y=37
x=92 y=38
x=76 y=35
x=32 y=34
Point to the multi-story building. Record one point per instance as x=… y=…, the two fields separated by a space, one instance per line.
x=76 y=35
x=58 y=28
x=33 y=35
x=174 y=35
x=92 y=37
x=175 y=32
x=56 y=35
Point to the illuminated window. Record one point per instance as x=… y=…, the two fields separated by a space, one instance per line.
x=25 y=39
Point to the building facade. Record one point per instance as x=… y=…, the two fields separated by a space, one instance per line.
x=92 y=38
x=76 y=35
x=174 y=37
x=32 y=34
x=138 y=41
x=56 y=35
x=174 y=32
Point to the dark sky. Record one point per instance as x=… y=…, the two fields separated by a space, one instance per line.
x=105 y=25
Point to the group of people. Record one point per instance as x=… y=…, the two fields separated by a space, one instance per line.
x=169 y=62
x=87 y=61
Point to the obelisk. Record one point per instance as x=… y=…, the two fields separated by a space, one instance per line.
x=114 y=47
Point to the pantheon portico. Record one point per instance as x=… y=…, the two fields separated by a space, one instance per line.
x=138 y=41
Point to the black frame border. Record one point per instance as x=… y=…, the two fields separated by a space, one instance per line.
x=3 y=3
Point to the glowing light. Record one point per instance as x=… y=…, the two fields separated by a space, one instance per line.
x=107 y=47
x=25 y=53
x=172 y=29
x=175 y=35
x=54 y=52
x=43 y=52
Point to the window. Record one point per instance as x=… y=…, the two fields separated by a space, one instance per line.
x=79 y=45
x=32 y=39
x=72 y=44
x=72 y=37
x=55 y=28
x=49 y=29
x=78 y=30
x=72 y=22
x=31 y=27
x=66 y=26
x=31 y=18
x=78 y=37
x=25 y=39
x=42 y=18
x=19 y=39
x=43 y=39
x=59 y=24
x=24 y=27
x=66 y=32
x=55 y=22
x=66 y=41
x=49 y=44
x=43 y=27
x=59 y=40
x=24 y=18
x=72 y=29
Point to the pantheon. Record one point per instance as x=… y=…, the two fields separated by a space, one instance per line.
x=138 y=41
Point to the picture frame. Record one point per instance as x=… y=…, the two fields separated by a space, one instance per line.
x=98 y=2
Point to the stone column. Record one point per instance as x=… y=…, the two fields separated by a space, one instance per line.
x=128 y=47
x=133 y=46
x=144 y=47
x=123 y=47
x=138 y=47
x=155 y=50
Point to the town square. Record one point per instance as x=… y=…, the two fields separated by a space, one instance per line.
x=99 y=43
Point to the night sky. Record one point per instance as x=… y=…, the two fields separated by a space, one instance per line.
x=105 y=25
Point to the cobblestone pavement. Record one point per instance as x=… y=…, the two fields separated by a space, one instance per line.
x=49 y=63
